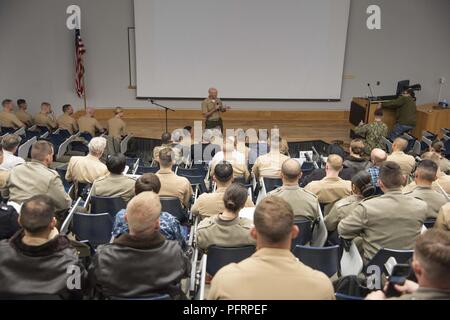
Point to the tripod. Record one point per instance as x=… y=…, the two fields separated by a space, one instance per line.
x=166 y=110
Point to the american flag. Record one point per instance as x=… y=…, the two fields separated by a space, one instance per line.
x=79 y=67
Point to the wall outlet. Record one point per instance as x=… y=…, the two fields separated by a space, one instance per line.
x=442 y=80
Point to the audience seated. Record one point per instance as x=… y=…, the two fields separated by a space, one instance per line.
x=88 y=168
x=10 y=143
x=22 y=113
x=206 y=149
x=355 y=161
x=37 y=260
x=269 y=165
x=233 y=156
x=167 y=143
x=88 y=123
x=362 y=188
x=9 y=224
x=7 y=117
x=211 y=204
x=406 y=162
x=393 y=220
x=331 y=188
x=258 y=148
x=142 y=262
x=171 y=184
x=431 y=263
x=45 y=117
x=377 y=157
x=424 y=177
x=304 y=203
x=443 y=218
x=116 y=183
x=272 y=272
x=35 y=177
x=169 y=225
x=227 y=229
x=438 y=148
x=66 y=121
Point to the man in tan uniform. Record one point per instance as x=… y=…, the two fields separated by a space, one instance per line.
x=7 y=118
x=332 y=188
x=443 y=218
x=303 y=203
x=212 y=107
x=117 y=129
x=406 y=162
x=431 y=262
x=273 y=272
x=35 y=177
x=89 y=124
x=211 y=204
x=227 y=229
x=116 y=184
x=234 y=157
x=438 y=148
x=45 y=118
x=393 y=220
x=166 y=143
x=22 y=113
x=66 y=121
x=425 y=175
x=171 y=184
x=269 y=165
x=87 y=169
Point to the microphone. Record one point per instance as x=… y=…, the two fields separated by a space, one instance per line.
x=370 y=88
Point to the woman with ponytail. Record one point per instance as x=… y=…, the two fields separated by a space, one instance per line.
x=362 y=188
x=227 y=229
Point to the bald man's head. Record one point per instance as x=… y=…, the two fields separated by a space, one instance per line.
x=399 y=144
x=378 y=156
x=334 y=163
x=143 y=213
x=291 y=170
x=212 y=92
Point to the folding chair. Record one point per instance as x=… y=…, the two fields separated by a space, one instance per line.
x=272 y=183
x=66 y=224
x=218 y=257
x=62 y=174
x=96 y=228
x=195 y=171
x=173 y=206
x=110 y=205
x=141 y=170
x=383 y=255
x=324 y=259
x=319 y=232
x=341 y=296
x=198 y=182
x=305 y=232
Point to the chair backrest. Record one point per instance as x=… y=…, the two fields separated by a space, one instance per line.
x=96 y=228
x=62 y=174
x=66 y=224
x=341 y=296
x=86 y=136
x=305 y=232
x=429 y=223
x=219 y=257
x=173 y=206
x=109 y=205
x=141 y=170
x=383 y=255
x=149 y=297
x=195 y=171
x=272 y=183
x=325 y=259
x=197 y=181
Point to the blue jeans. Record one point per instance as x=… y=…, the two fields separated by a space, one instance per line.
x=398 y=130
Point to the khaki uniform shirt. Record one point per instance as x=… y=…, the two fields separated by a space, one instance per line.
x=442 y=183
x=330 y=190
x=85 y=169
x=269 y=165
x=33 y=178
x=304 y=203
x=89 y=124
x=444 y=164
x=208 y=105
x=114 y=185
x=10 y=120
x=393 y=221
x=425 y=294
x=270 y=274
x=406 y=162
x=443 y=218
x=435 y=200
x=116 y=128
x=25 y=117
x=215 y=231
x=211 y=204
x=174 y=186
x=340 y=210
x=45 y=120
x=68 y=123
x=176 y=152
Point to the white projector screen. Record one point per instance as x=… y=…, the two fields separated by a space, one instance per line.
x=248 y=49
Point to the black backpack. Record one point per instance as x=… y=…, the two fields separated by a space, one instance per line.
x=8 y=221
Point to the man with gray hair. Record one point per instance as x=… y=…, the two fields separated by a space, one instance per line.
x=10 y=143
x=88 y=168
x=158 y=264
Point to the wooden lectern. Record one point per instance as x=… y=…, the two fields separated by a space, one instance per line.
x=363 y=109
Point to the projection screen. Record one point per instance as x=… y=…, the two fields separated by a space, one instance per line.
x=249 y=49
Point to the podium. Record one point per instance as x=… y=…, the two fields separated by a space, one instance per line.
x=363 y=109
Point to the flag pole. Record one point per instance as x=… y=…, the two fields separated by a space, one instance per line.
x=84 y=93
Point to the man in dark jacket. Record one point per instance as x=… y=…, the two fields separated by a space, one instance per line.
x=406 y=109
x=37 y=261
x=140 y=263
